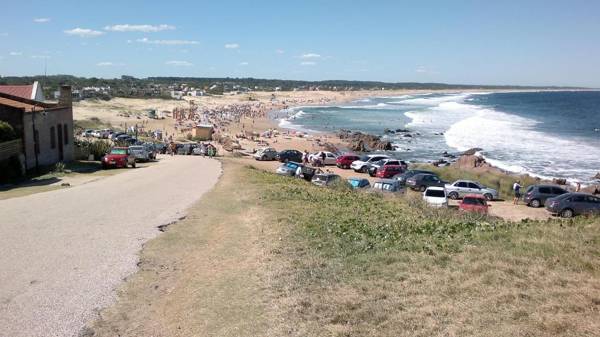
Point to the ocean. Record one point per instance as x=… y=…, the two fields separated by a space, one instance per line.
x=545 y=134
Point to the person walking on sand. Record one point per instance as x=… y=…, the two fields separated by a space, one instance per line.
x=305 y=157
x=517 y=190
x=578 y=187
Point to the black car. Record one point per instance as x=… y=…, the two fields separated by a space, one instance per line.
x=289 y=155
x=569 y=205
x=420 y=182
x=402 y=177
x=185 y=149
x=536 y=195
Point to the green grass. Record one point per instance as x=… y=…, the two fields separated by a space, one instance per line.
x=358 y=264
x=93 y=123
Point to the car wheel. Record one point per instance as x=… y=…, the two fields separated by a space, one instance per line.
x=567 y=213
x=535 y=203
x=422 y=188
x=372 y=173
x=133 y=165
x=263 y=158
x=488 y=197
x=453 y=195
x=363 y=169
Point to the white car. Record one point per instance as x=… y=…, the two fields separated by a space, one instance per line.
x=330 y=158
x=435 y=196
x=362 y=165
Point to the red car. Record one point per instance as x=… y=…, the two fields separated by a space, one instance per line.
x=345 y=160
x=118 y=157
x=388 y=171
x=474 y=203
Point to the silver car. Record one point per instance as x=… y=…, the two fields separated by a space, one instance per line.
x=460 y=188
x=140 y=153
x=267 y=153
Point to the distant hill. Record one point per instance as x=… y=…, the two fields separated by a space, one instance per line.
x=130 y=86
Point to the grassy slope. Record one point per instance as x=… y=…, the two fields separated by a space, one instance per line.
x=263 y=255
x=361 y=265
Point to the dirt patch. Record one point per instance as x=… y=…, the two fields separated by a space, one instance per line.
x=204 y=276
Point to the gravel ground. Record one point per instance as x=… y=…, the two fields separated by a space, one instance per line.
x=62 y=253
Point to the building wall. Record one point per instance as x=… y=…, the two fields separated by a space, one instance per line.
x=43 y=122
x=202 y=133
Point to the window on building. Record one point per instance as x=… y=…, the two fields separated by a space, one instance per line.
x=52 y=137
x=66 y=134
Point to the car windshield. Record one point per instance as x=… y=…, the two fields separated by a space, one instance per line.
x=474 y=201
x=364 y=158
x=354 y=182
x=435 y=193
x=118 y=151
x=292 y=165
x=136 y=148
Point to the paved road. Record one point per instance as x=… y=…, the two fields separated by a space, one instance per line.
x=62 y=253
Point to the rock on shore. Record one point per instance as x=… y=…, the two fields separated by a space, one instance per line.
x=363 y=142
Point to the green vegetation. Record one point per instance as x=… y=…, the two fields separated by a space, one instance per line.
x=500 y=181
x=357 y=264
x=93 y=123
x=157 y=87
x=6 y=132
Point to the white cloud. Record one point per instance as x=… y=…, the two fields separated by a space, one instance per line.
x=40 y=56
x=138 y=28
x=232 y=46
x=41 y=20
x=104 y=64
x=15 y=53
x=310 y=56
x=308 y=63
x=425 y=70
x=280 y=51
x=179 y=63
x=3 y=34
x=243 y=63
x=166 y=42
x=83 y=32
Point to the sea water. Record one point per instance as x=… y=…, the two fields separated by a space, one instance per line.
x=550 y=134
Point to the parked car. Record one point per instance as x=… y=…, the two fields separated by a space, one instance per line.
x=358 y=183
x=435 y=196
x=344 y=161
x=152 y=151
x=362 y=164
x=288 y=169
x=104 y=133
x=185 y=149
x=267 y=153
x=306 y=173
x=325 y=179
x=474 y=203
x=118 y=157
x=140 y=153
x=161 y=148
x=373 y=167
x=122 y=138
x=569 y=205
x=460 y=188
x=387 y=186
x=536 y=195
x=402 y=177
x=87 y=133
x=115 y=135
x=289 y=155
x=421 y=181
x=388 y=171
x=330 y=158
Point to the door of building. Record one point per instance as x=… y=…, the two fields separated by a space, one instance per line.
x=61 y=142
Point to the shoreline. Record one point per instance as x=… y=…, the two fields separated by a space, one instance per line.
x=491 y=162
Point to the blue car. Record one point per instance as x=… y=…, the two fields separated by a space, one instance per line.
x=358 y=183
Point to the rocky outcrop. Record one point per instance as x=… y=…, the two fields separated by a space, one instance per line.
x=471 y=161
x=363 y=142
x=471 y=152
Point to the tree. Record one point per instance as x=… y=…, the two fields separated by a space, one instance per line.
x=6 y=132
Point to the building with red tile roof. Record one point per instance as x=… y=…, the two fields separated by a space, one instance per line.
x=30 y=91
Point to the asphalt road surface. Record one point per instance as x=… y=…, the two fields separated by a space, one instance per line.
x=62 y=253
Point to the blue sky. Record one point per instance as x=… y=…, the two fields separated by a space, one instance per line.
x=469 y=42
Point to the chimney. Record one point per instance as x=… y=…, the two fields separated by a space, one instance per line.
x=66 y=98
